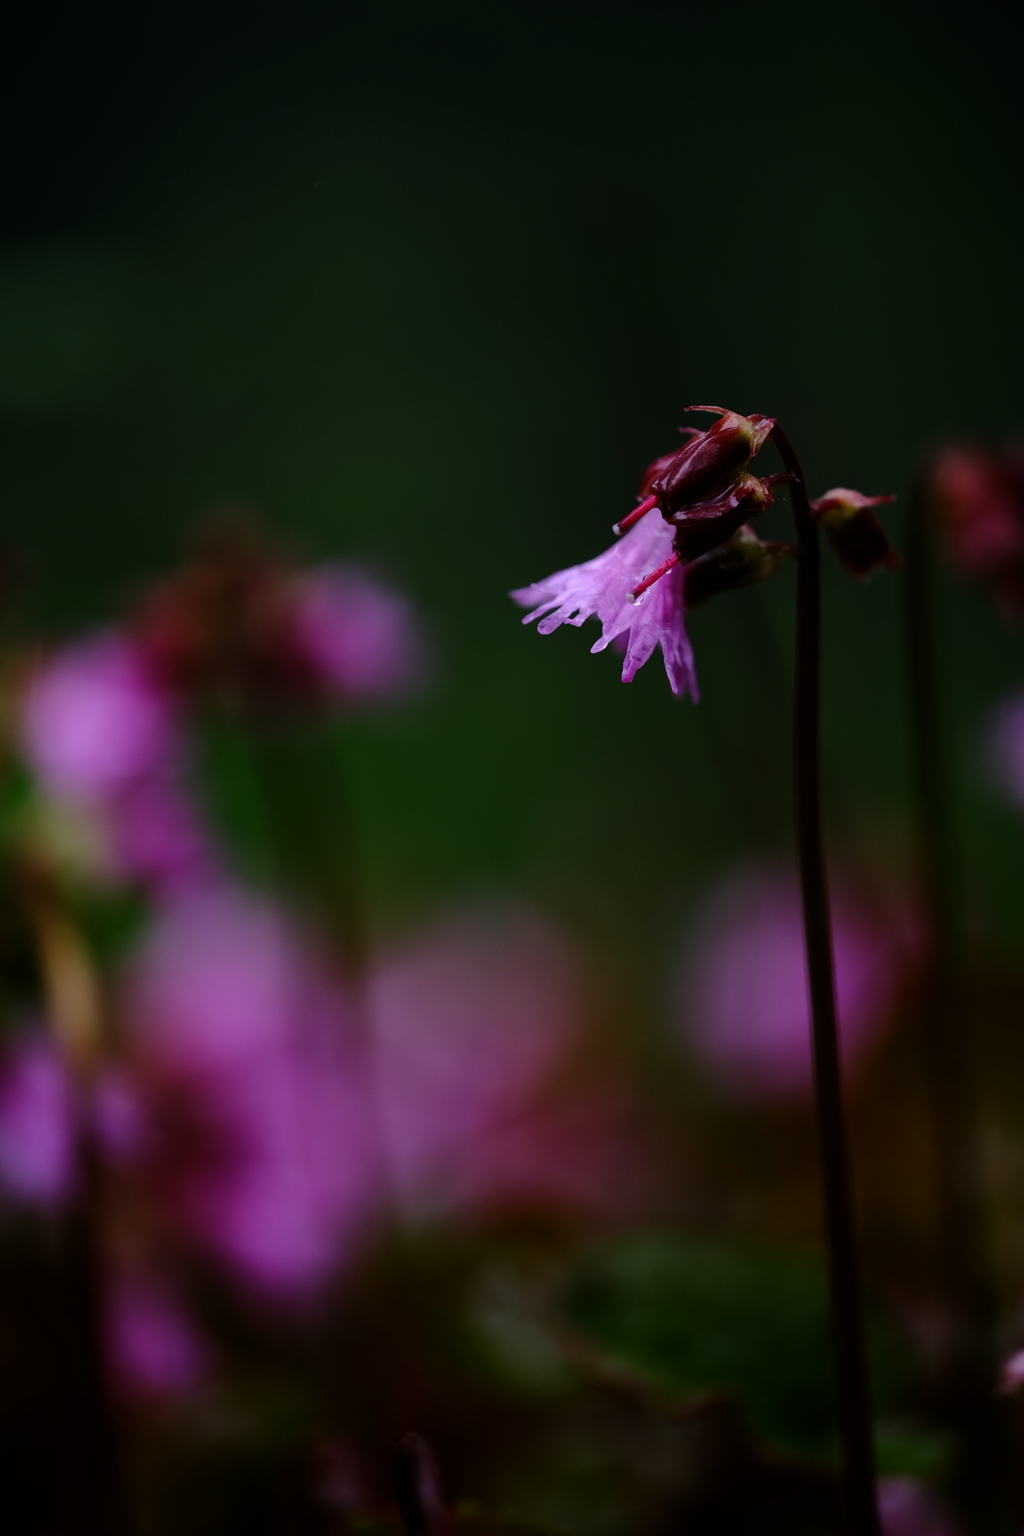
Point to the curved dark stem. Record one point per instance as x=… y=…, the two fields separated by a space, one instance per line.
x=946 y=1043
x=847 y=1326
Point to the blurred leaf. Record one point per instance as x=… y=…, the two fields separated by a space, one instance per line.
x=697 y=1317
x=906 y=1449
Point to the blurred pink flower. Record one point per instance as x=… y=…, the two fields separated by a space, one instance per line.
x=157 y=837
x=741 y=996
x=1006 y=746
x=93 y=719
x=359 y=637
x=908 y=1507
x=977 y=495
x=228 y=1010
x=101 y=736
x=1011 y=1377
x=37 y=1162
x=472 y=1019
x=153 y=1347
x=602 y=586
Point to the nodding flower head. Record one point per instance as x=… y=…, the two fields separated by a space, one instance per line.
x=610 y=587
x=854 y=531
x=703 y=467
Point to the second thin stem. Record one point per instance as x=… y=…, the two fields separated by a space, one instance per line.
x=844 y=1280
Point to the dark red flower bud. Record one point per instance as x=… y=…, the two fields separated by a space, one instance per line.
x=710 y=523
x=702 y=468
x=655 y=468
x=854 y=531
x=742 y=562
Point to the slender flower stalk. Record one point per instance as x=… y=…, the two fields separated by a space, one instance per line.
x=847 y=1325
x=687 y=541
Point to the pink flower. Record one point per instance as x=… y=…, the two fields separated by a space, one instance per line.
x=741 y=997
x=156 y=837
x=472 y=1019
x=1011 y=1378
x=357 y=635
x=153 y=1346
x=907 y=1507
x=37 y=1151
x=1006 y=746
x=232 y=1016
x=37 y=1157
x=602 y=587
x=93 y=719
x=978 y=498
x=102 y=737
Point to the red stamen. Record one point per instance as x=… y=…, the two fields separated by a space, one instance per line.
x=635 y=516
x=648 y=581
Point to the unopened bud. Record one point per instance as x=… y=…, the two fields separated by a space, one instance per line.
x=711 y=523
x=705 y=465
x=854 y=531
x=742 y=562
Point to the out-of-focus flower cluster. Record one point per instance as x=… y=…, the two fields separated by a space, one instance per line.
x=104 y=723
x=259 y=1107
x=388 y=1150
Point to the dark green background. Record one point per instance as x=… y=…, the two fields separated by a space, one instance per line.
x=429 y=284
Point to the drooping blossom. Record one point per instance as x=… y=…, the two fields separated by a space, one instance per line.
x=908 y=1507
x=741 y=994
x=854 y=531
x=601 y=588
x=154 y=1348
x=472 y=1020
x=636 y=589
x=237 y=1027
x=1006 y=747
x=37 y=1154
x=359 y=636
x=697 y=546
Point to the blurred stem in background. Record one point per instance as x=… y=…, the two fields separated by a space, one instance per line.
x=847 y=1321
x=91 y=1460
x=967 y=1386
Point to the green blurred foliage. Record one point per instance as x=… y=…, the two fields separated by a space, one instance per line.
x=704 y=1318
